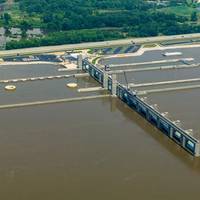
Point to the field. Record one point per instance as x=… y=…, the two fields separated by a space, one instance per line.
x=179 y=10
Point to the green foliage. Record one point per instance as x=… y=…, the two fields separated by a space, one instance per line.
x=63 y=15
x=6 y=19
x=67 y=37
x=67 y=21
x=194 y=16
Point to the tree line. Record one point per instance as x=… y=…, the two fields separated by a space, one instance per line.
x=66 y=21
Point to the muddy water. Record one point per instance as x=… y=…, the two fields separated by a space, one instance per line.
x=139 y=66
x=182 y=105
x=32 y=70
x=45 y=90
x=160 y=75
x=40 y=90
x=95 y=149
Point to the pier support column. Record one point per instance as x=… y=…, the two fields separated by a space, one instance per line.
x=105 y=80
x=158 y=122
x=114 y=84
x=183 y=142
x=148 y=116
x=197 y=150
x=171 y=132
x=80 y=61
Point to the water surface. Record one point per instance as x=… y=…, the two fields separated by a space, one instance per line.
x=97 y=149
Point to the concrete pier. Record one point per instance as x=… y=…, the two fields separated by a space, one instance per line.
x=68 y=70
x=91 y=89
x=114 y=85
x=43 y=78
x=152 y=62
x=35 y=103
x=105 y=80
x=154 y=68
x=80 y=61
x=144 y=92
x=163 y=83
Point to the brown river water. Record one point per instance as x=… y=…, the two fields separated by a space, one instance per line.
x=97 y=149
x=90 y=150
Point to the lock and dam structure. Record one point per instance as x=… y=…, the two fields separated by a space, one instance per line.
x=159 y=120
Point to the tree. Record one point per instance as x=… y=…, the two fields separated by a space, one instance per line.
x=194 y=17
x=7 y=31
x=7 y=18
x=24 y=35
x=25 y=25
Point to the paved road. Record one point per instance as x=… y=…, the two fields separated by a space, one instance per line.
x=129 y=41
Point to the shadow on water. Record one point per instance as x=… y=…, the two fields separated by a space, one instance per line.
x=172 y=147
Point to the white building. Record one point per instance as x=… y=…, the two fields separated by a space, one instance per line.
x=36 y=32
x=15 y=32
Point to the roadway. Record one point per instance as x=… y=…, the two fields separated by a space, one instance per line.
x=48 y=49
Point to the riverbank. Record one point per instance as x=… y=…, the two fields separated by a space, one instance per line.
x=128 y=41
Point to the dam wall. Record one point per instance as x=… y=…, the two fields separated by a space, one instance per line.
x=148 y=112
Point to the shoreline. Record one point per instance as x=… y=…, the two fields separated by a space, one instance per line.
x=140 y=52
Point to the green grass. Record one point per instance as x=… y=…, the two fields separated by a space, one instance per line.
x=150 y=45
x=179 y=10
x=91 y=51
x=95 y=60
x=109 y=11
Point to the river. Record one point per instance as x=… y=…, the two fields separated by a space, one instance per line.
x=96 y=149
